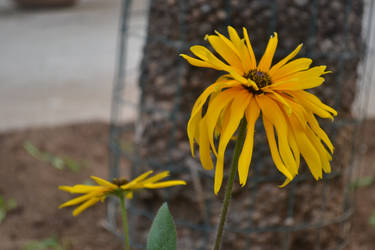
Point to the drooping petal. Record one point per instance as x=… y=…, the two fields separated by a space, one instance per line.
x=238 y=107
x=274 y=95
x=319 y=131
x=215 y=109
x=273 y=113
x=85 y=205
x=204 y=146
x=252 y=114
x=325 y=157
x=314 y=100
x=274 y=150
x=307 y=149
x=309 y=105
x=266 y=61
x=79 y=199
x=196 y=114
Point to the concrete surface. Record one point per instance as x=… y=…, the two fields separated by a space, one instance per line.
x=57 y=65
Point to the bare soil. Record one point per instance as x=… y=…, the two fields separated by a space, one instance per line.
x=33 y=184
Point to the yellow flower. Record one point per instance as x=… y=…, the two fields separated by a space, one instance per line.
x=248 y=89
x=94 y=194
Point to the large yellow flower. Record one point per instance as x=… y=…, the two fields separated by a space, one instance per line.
x=94 y=194
x=249 y=90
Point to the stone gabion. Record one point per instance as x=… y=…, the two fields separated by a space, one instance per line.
x=331 y=32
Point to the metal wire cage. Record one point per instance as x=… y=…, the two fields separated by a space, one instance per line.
x=304 y=215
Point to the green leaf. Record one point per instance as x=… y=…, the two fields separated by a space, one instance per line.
x=363 y=182
x=3 y=213
x=372 y=219
x=11 y=204
x=162 y=234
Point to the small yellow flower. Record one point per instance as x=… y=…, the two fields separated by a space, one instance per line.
x=94 y=194
x=249 y=90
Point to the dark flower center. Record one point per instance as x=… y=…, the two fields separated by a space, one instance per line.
x=261 y=79
x=120 y=182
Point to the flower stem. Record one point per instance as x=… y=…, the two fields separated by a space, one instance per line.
x=228 y=189
x=124 y=221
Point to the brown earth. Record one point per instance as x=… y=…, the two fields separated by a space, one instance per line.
x=33 y=184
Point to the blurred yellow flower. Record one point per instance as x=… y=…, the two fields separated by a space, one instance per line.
x=248 y=89
x=94 y=194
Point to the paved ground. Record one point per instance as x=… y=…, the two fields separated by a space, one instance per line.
x=57 y=66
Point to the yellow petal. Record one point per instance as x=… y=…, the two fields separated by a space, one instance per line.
x=85 y=205
x=307 y=79
x=315 y=100
x=310 y=106
x=291 y=68
x=319 y=131
x=283 y=61
x=240 y=46
x=165 y=184
x=207 y=56
x=129 y=195
x=286 y=182
x=198 y=63
x=253 y=62
x=204 y=146
x=80 y=188
x=156 y=177
x=307 y=149
x=266 y=61
x=215 y=109
x=229 y=43
x=252 y=114
x=238 y=106
x=324 y=155
x=273 y=148
x=274 y=95
x=80 y=199
x=273 y=113
x=136 y=180
x=103 y=182
x=226 y=52
x=294 y=146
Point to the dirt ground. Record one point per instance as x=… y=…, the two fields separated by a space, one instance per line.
x=33 y=184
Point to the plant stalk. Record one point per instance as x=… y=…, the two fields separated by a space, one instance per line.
x=124 y=222
x=230 y=181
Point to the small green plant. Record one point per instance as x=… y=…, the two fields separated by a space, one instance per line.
x=6 y=206
x=364 y=181
x=372 y=219
x=162 y=234
x=50 y=243
x=58 y=162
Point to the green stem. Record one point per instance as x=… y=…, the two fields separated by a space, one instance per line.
x=228 y=189
x=124 y=221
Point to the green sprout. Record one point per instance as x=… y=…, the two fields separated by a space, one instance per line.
x=58 y=162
